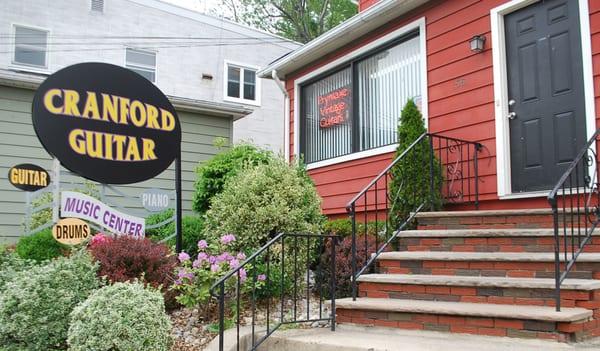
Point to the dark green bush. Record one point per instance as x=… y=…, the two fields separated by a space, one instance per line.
x=192 y=231
x=410 y=185
x=343 y=227
x=41 y=246
x=213 y=173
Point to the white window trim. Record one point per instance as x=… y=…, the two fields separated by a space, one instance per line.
x=23 y=66
x=141 y=66
x=257 y=88
x=503 y=168
x=420 y=24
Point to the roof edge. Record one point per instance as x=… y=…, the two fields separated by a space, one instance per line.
x=219 y=109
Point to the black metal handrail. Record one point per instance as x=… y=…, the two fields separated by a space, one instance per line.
x=456 y=160
x=263 y=255
x=576 y=197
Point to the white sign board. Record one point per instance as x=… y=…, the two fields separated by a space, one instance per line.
x=78 y=205
x=155 y=200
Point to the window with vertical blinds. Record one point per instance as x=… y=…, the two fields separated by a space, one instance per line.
x=334 y=123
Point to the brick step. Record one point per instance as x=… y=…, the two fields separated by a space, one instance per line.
x=490 y=240
x=583 y=293
x=493 y=264
x=523 y=218
x=570 y=324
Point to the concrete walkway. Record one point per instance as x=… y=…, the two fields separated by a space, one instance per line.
x=357 y=338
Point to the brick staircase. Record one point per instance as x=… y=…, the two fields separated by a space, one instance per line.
x=480 y=272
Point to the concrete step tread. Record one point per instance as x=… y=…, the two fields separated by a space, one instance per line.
x=481 y=256
x=521 y=312
x=486 y=213
x=495 y=282
x=470 y=233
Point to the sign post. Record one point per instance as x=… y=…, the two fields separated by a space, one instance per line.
x=178 y=232
x=110 y=125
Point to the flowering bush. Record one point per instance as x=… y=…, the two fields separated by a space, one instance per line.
x=119 y=317
x=10 y=266
x=125 y=258
x=195 y=277
x=35 y=305
x=263 y=201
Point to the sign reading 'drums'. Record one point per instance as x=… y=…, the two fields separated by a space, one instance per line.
x=28 y=177
x=106 y=123
x=71 y=231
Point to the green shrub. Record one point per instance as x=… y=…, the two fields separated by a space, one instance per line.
x=343 y=227
x=410 y=185
x=262 y=201
x=213 y=173
x=41 y=246
x=119 y=317
x=35 y=305
x=10 y=266
x=192 y=228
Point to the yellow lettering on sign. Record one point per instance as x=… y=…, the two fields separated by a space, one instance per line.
x=168 y=121
x=71 y=100
x=91 y=106
x=148 y=149
x=49 y=101
x=109 y=108
x=76 y=141
x=14 y=176
x=137 y=113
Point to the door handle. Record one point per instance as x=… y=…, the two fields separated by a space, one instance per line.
x=511 y=114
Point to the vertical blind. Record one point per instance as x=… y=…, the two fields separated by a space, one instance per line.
x=381 y=83
x=321 y=142
x=386 y=81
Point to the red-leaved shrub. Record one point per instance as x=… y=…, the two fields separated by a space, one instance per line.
x=125 y=258
x=343 y=263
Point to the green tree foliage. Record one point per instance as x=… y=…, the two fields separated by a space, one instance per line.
x=411 y=180
x=297 y=20
x=213 y=173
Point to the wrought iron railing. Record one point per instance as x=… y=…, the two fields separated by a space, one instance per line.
x=292 y=257
x=452 y=176
x=574 y=201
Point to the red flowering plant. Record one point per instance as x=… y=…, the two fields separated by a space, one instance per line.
x=125 y=258
x=196 y=276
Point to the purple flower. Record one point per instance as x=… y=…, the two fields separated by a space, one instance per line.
x=234 y=263
x=202 y=244
x=241 y=256
x=202 y=257
x=212 y=260
x=183 y=257
x=262 y=277
x=227 y=238
x=197 y=263
x=243 y=275
x=214 y=267
x=178 y=282
x=183 y=274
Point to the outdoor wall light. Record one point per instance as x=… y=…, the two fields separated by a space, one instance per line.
x=477 y=43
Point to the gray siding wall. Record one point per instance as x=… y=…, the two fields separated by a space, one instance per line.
x=19 y=144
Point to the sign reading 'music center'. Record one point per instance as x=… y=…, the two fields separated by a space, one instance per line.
x=106 y=123
x=77 y=205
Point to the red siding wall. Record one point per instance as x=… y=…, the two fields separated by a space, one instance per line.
x=365 y=4
x=461 y=97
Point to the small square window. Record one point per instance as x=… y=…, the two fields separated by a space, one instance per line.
x=97 y=6
x=241 y=84
x=142 y=62
x=31 y=47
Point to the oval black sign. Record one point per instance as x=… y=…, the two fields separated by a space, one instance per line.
x=106 y=123
x=28 y=177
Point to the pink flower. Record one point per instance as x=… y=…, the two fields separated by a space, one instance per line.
x=241 y=256
x=214 y=267
x=212 y=260
x=243 y=275
x=227 y=238
x=183 y=257
x=99 y=239
x=197 y=263
x=202 y=257
x=183 y=274
x=234 y=263
x=202 y=244
x=262 y=277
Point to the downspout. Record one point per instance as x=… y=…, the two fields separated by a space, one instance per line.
x=286 y=114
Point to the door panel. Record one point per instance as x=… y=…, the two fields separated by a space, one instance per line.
x=545 y=80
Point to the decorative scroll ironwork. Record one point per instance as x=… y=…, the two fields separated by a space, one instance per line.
x=575 y=210
x=458 y=162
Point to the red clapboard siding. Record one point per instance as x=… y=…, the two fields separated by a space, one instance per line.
x=461 y=97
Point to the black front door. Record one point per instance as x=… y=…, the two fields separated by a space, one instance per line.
x=545 y=91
